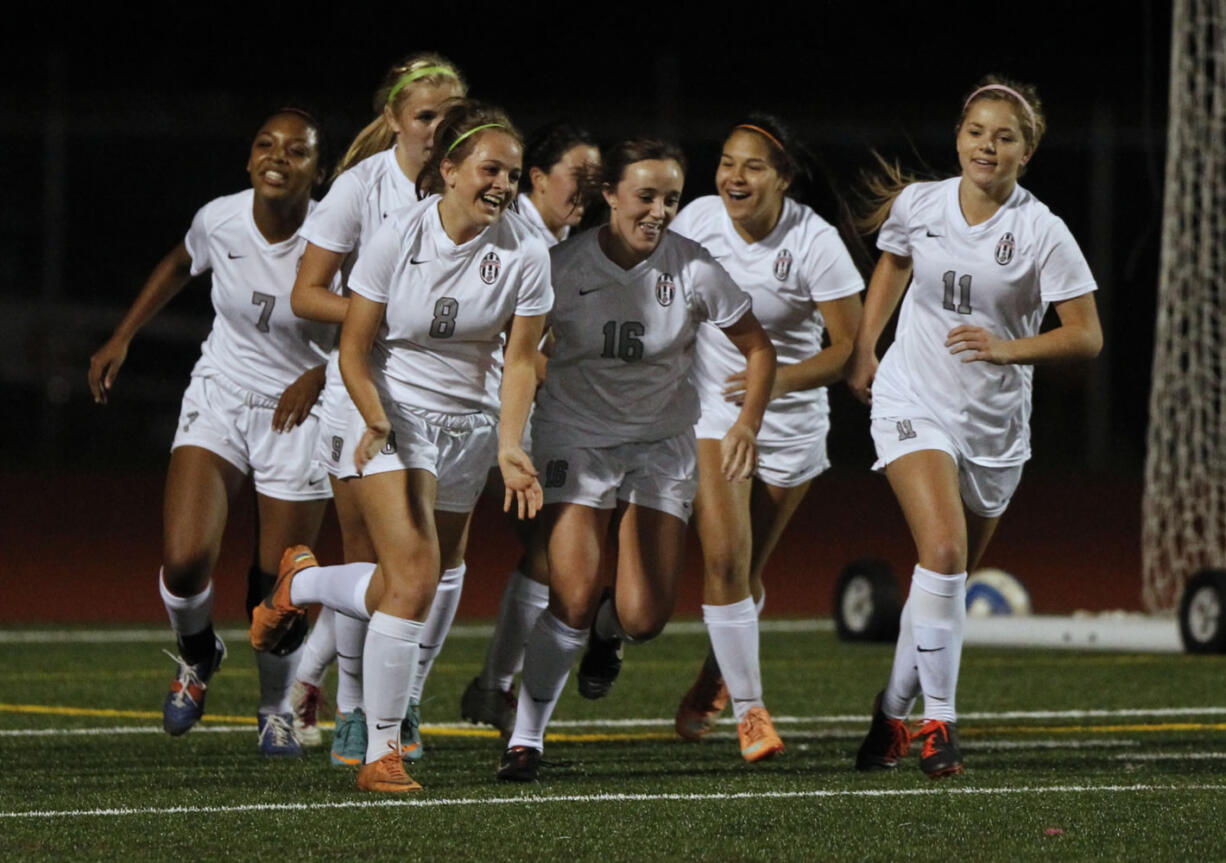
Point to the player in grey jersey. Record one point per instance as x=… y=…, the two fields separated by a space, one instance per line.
x=613 y=430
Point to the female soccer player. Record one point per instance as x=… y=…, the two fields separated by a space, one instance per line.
x=802 y=281
x=951 y=399
x=248 y=410
x=375 y=178
x=556 y=159
x=421 y=355
x=613 y=429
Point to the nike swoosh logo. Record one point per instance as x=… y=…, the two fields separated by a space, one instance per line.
x=415 y=261
x=540 y=700
x=379 y=726
x=317 y=481
x=919 y=649
x=929 y=233
x=233 y=256
x=588 y=291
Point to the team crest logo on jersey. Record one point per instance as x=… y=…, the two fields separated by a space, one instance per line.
x=666 y=288
x=490 y=268
x=783 y=265
x=389 y=448
x=1004 y=249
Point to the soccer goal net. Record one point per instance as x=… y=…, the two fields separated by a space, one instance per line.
x=1184 y=505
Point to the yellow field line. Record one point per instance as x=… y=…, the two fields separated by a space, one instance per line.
x=598 y=737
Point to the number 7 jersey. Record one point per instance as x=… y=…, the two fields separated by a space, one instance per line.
x=256 y=341
x=999 y=275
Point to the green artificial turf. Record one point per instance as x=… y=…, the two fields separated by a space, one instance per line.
x=1069 y=756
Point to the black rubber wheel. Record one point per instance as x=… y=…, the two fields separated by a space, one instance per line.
x=866 y=601
x=1202 y=612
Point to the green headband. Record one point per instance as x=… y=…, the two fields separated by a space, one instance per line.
x=474 y=130
x=409 y=77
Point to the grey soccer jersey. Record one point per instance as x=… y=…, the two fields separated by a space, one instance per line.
x=1000 y=275
x=624 y=339
x=256 y=340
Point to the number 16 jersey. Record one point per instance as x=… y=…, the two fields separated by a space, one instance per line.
x=1000 y=275
x=624 y=339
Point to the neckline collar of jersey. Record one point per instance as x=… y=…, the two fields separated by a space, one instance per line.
x=261 y=241
x=403 y=184
x=611 y=267
x=767 y=243
x=443 y=241
x=958 y=220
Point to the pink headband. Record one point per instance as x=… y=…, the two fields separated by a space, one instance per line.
x=1016 y=95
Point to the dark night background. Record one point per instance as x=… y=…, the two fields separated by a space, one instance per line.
x=117 y=127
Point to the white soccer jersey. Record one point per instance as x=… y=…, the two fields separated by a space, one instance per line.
x=528 y=210
x=348 y=216
x=999 y=275
x=256 y=340
x=800 y=263
x=358 y=203
x=439 y=347
x=624 y=339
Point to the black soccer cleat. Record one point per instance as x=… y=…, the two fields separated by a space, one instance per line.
x=941 y=755
x=519 y=764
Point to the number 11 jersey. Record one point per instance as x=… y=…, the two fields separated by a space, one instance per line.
x=1000 y=275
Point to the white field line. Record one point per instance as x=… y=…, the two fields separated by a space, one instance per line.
x=528 y=800
x=1170 y=756
x=460 y=630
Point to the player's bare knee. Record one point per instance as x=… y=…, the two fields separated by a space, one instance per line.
x=944 y=555
x=186 y=574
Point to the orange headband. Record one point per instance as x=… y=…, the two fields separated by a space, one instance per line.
x=762 y=131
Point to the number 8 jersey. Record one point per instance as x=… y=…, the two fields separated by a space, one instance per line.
x=439 y=347
x=256 y=341
x=624 y=339
x=1000 y=275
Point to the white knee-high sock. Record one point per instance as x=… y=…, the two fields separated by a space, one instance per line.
x=320 y=649
x=734 y=638
x=390 y=661
x=550 y=652
x=350 y=645
x=904 y=685
x=438 y=624
x=938 y=618
x=523 y=600
x=276 y=678
x=188 y=614
x=341 y=587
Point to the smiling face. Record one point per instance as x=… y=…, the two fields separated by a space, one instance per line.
x=991 y=147
x=555 y=193
x=748 y=183
x=417 y=113
x=641 y=207
x=284 y=161
x=481 y=186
